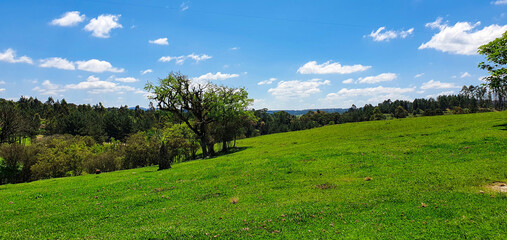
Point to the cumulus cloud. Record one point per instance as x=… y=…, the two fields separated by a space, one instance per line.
x=441 y=94
x=267 y=82
x=2 y=89
x=362 y=96
x=432 y=84
x=97 y=66
x=297 y=89
x=330 y=68
x=160 y=41
x=381 y=35
x=384 y=77
x=184 y=6
x=181 y=59
x=465 y=74
x=419 y=75
x=93 y=65
x=344 y=92
x=126 y=79
x=94 y=85
x=49 y=89
x=69 y=19
x=216 y=76
x=10 y=56
x=348 y=81
x=146 y=71
x=2 y=82
x=463 y=38
x=55 y=62
x=500 y=2
x=102 y=25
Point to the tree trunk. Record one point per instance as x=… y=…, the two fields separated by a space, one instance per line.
x=203 y=147
x=211 y=148
x=224 y=146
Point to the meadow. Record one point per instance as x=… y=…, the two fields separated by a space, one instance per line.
x=424 y=177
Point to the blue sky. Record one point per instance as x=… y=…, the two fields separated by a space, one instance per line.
x=287 y=54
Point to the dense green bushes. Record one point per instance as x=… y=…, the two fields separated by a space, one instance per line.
x=67 y=155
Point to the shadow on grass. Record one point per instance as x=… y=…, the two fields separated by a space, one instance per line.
x=501 y=126
x=230 y=151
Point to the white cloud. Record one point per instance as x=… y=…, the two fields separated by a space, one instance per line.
x=384 y=77
x=102 y=25
x=184 y=6
x=146 y=71
x=210 y=76
x=234 y=48
x=97 y=66
x=348 y=81
x=344 y=92
x=297 y=89
x=10 y=56
x=55 y=62
x=2 y=89
x=432 y=84
x=96 y=86
x=126 y=79
x=92 y=65
x=361 y=96
x=465 y=74
x=69 y=19
x=381 y=35
x=441 y=94
x=419 y=75
x=199 y=58
x=160 y=41
x=461 y=38
x=2 y=82
x=500 y=2
x=49 y=89
x=330 y=68
x=267 y=82
x=181 y=59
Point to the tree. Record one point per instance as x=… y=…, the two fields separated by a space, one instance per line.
x=230 y=113
x=377 y=114
x=197 y=105
x=400 y=112
x=11 y=123
x=496 y=56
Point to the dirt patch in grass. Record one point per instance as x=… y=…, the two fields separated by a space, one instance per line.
x=498 y=187
x=326 y=186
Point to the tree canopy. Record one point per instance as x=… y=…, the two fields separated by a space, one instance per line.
x=199 y=105
x=496 y=56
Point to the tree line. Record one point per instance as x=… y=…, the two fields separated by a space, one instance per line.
x=56 y=139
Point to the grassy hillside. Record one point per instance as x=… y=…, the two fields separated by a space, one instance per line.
x=430 y=178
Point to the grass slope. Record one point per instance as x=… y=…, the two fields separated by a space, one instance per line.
x=305 y=185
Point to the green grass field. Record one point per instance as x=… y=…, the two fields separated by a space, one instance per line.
x=430 y=178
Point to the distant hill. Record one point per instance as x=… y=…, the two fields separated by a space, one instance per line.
x=301 y=112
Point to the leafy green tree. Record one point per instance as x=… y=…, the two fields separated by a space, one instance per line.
x=198 y=105
x=11 y=123
x=496 y=56
x=400 y=112
x=377 y=114
x=190 y=103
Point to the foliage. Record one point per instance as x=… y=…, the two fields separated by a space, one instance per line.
x=496 y=56
x=400 y=112
x=199 y=105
